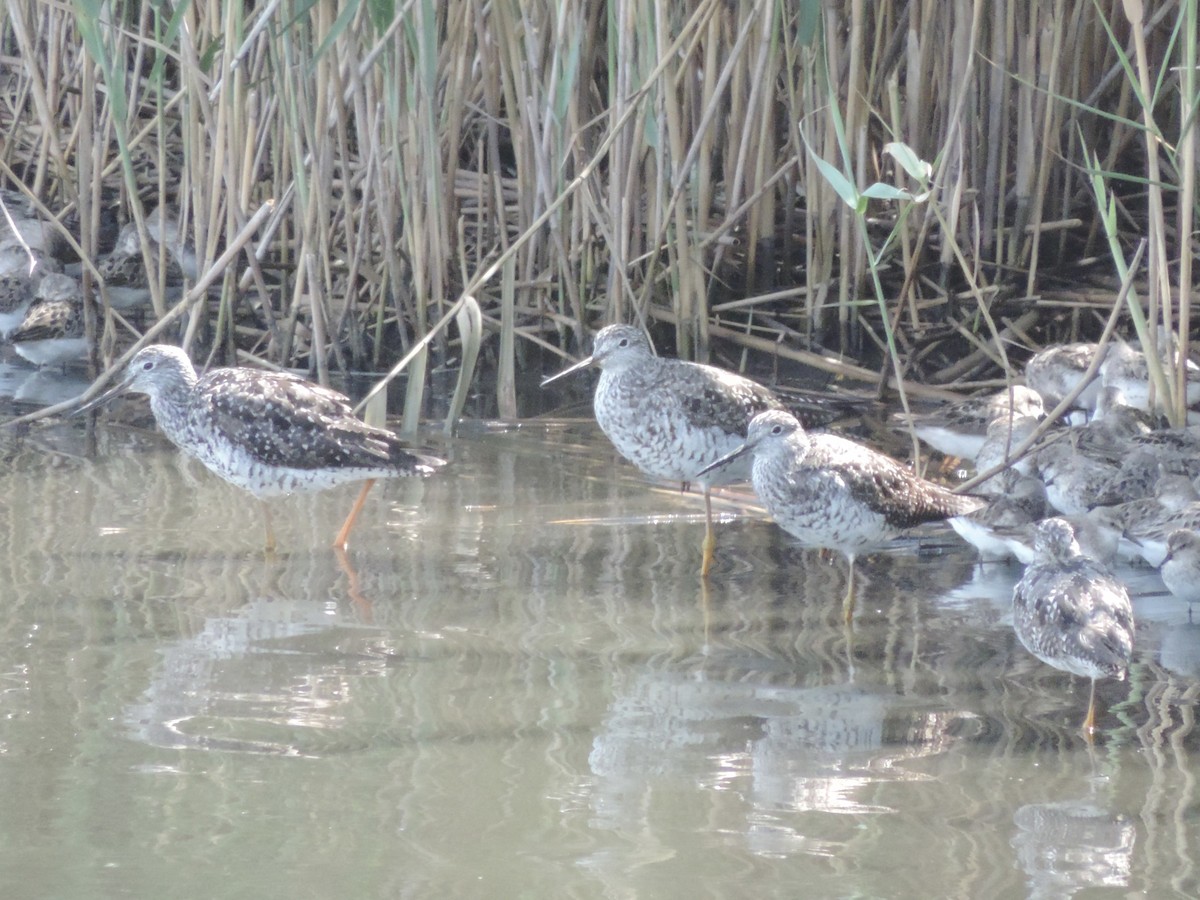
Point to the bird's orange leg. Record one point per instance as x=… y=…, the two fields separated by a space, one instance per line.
x=343 y=536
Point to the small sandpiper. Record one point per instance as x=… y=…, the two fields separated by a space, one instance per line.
x=1072 y=613
x=671 y=418
x=52 y=331
x=831 y=492
x=21 y=271
x=1127 y=371
x=269 y=433
x=1056 y=371
x=1180 y=569
x=960 y=429
x=1004 y=437
x=124 y=273
x=1074 y=481
x=1021 y=501
x=1097 y=531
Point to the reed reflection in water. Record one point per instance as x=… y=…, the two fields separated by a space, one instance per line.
x=516 y=684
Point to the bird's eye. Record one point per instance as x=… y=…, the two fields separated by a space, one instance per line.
x=624 y=342
x=147 y=365
x=778 y=429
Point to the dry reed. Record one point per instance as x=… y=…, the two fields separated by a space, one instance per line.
x=570 y=163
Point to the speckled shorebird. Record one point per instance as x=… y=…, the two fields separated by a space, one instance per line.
x=960 y=429
x=21 y=270
x=672 y=418
x=270 y=433
x=124 y=273
x=831 y=492
x=52 y=331
x=1180 y=569
x=1072 y=613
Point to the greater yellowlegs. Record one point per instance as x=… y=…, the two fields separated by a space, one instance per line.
x=269 y=433
x=831 y=492
x=960 y=429
x=52 y=331
x=1072 y=613
x=671 y=418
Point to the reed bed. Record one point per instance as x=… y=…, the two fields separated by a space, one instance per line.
x=900 y=194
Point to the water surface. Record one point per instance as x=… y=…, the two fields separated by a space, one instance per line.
x=515 y=685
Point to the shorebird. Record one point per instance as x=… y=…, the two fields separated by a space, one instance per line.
x=831 y=492
x=1074 y=481
x=21 y=271
x=269 y=433
x=124 y=273
x=960 y=429
x=671 y=418
x=1004 y=436
x=1055 y=372
x=1097 y=531
x=1022 y=501
x=52 y=331
x=1072 y=613
x=1180 y=569
x=1127 y=371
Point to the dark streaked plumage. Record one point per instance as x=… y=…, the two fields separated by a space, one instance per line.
x=671 y=418
x=21 y=271
x=828 y=491
x=124 y=273
x=1072 y=613
x=269 y=433
x=52 y=331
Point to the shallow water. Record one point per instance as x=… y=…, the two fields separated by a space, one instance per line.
x=515 y=685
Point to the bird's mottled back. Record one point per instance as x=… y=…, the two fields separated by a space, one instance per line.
x=1069 y=610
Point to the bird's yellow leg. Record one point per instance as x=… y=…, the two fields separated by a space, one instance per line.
x=848 y=600
x=343 y=536
x=266 y=511
x=710 y=538
x=1089 y=722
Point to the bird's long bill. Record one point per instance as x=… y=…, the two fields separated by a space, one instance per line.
x=102 y=398
x=725 y=460
x=569 y=370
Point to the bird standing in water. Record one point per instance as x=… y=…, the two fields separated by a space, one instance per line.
x=831 y=492
x=269 y=433
x=1072 y=613
x=672 y=418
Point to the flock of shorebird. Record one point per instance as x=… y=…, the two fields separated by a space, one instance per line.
x=42 y=307
x=1064 y=500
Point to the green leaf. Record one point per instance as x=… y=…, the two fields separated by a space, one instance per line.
x=844 y=187
x=881 y=191
x=909 y=161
